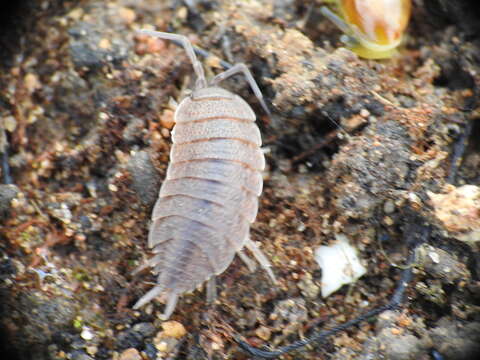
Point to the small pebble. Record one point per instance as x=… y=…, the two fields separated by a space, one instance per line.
x=127 y=15
x=364 y=113
x=10 y=123
x=130 y=354
x=263 y=333
x=389 y=207
x=173 y=329
x=458 y=210
x=91 y=350
x=162 y=346
x=76 y=14
x=31 y=82
x=8 y=194
x=104 y=44
x=166 y=119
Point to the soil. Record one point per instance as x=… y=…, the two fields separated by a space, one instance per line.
x=386 y=153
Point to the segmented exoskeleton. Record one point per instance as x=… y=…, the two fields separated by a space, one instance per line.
x=210 y=195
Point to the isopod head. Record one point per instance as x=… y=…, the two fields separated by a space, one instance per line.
x=373 y=28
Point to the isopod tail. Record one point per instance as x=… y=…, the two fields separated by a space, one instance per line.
x=171 y=303
x=261 y=258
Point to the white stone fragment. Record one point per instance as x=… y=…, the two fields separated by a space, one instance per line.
x=340 y=265
x=86 y=333
x=434 y=256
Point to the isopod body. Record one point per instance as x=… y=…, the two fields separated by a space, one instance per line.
x=210 y=194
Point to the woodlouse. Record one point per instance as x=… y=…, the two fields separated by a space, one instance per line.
x=210 y=195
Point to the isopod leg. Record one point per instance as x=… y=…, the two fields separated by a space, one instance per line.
x=261 y=258
x=170 y=306
x=187 y=45
x=149 y=296
x=350 y=32
x=250 y=264
x=242 y=68
x=337 y=20
x=211 y=290
x=149 y=263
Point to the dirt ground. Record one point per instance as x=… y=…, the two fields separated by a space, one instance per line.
x=386 y=153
